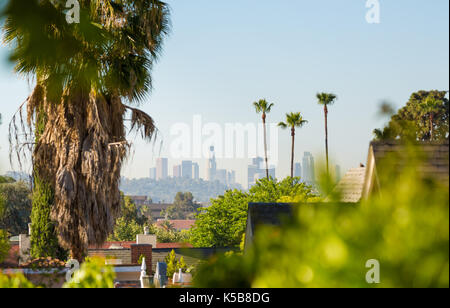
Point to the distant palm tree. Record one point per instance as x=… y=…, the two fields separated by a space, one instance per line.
x=430 y=107
x=293 y=120
x=264 y=107
x=326 y=99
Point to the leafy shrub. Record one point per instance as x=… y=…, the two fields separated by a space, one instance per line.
x=93 y=273
x=14 y=281
x=404 y=226
x=4 y=245
x=223 y=223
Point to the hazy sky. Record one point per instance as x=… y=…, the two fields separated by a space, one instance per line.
x=223 y=55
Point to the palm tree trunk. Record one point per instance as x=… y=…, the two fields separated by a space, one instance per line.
x=326 y=136
x=265 y=146
x=293 y=151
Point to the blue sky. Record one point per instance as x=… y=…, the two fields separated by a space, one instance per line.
x=223 y=55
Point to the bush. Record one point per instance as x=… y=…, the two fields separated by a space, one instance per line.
x=14 y=281
x=93 y=273
x=4 y=245
x=404 y=227
x=223 y=223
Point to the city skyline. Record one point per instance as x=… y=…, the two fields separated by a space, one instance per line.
x=358 y=69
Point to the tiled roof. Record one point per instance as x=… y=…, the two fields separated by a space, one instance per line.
x=178 y=224
x=173 y=245
x=351 y=185
x=114 y=245
x=127 y=245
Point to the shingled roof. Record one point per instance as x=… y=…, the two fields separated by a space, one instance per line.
x=350 y=187
x=433 y=161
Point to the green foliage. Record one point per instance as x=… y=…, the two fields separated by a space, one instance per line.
x=405 y=228
x=126 y=230
x=4 y=245
x=141 y=259
x=6 y=179
x=174 y=265
x=183 y=207
x=171 y=261
x=16 y=209
x=326 y=99
x=93 y=273
x=44 y=241
x=223 y=223
x=412 y=122
x=293 y=120
x=182 y=265
x=14 y=281
x=170 y=236
x=130 y=224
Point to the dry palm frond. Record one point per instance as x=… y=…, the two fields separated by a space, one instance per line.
x=142 y=122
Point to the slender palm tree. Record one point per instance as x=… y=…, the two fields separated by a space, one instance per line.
x=264 y=107
x=87 y=76
x=429 y=108
x=293 y=121
x=326 y=99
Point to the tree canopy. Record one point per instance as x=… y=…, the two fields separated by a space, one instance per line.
x=412 y=122
x=223 y=223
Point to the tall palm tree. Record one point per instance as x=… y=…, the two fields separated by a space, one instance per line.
x=293 y=121
x=264 y=107
x=326 y=99
x=87 y=76
x=429 y=108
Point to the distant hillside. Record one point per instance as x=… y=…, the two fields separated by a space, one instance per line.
x=165 y=190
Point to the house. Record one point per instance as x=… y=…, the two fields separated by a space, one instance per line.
x=139 y=200
x=155 y=210
x=432 y=161
x=178 y=225
x=351 y=186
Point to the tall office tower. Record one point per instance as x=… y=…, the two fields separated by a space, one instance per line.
x=177 y=171
x=312 y=169
x=257 y=171
x=338 y=173
x=309 y=173
x=162 y=168
x=195 y=171
x=186 y=169
x=258 y=162
x=305 y=162
x=153 y=173
x=212 y=165
x=221 y=176
x=298 y=170
x=231 y=180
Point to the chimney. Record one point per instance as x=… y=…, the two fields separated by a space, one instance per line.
x=138 y=250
